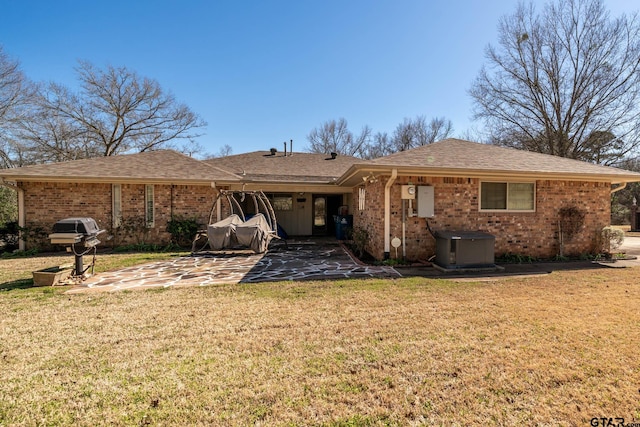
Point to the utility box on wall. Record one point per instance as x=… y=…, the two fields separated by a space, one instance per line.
x=426 y=207
x=408 y=192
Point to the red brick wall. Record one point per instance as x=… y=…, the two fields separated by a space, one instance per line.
x=371 y=218
x=456 y=208
x=46 y=203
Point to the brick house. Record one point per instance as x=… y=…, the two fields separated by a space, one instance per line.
x=145 y=190
x=448 y=185
x=513 y=194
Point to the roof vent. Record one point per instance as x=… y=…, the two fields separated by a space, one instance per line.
x=334 y=155
x=274 y=151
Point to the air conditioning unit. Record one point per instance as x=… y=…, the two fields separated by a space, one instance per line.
x=465 y=249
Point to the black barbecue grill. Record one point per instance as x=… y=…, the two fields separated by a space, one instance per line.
x=80 y=236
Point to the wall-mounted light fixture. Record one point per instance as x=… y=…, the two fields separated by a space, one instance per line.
x=371 y=178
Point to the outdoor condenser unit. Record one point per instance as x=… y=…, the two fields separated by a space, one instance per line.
x=464 y=249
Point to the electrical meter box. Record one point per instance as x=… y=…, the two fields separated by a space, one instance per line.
x=425 y=202
x=408 y=192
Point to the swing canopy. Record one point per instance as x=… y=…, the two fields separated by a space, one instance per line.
x=253 y=230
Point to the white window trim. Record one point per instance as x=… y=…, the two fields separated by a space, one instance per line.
x=507 y=210
x=149 y=193
x=116 y=204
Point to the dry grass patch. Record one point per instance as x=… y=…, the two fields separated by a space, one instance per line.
x=551 y=350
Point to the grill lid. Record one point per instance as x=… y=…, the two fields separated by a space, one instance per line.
x=78 y=225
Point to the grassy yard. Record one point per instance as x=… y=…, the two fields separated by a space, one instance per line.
x=549 y=350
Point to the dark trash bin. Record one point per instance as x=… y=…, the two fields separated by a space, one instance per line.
x=343 y=224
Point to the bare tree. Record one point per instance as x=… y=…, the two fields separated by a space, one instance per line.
x=379 y=146
x=15 y=95
x=404 y=136
x=473 y=134
x=411 y=133
x=46 y=136
x=565 y=81
x=438 y=128
x=11 y=81
x=417 y=132
x=335 y=136
x=224 y=151
x=116 y=111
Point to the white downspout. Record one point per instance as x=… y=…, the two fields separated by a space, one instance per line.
x=387 y=213
x=21 y=214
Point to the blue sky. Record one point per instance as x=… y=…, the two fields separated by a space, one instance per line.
x=264 y=72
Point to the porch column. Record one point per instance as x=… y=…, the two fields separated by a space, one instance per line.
x=21 y=218
x=387 y=213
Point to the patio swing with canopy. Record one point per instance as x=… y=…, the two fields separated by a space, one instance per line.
x=238 y=229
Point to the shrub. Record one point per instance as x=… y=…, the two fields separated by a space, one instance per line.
x=131 y=230
x=360 y=238
x=183 y=230
x=9 y=235
x=612 y=239
x=571 y=221
x=36 y=236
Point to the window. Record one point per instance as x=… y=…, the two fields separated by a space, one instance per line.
x=320 y=212
x=116 y=205
x=282 y=203
x=149 y=213
x=510 y=196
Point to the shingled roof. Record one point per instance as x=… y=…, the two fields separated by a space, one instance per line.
x=464 y=158
x=151 y=166
x=450 y=157
x=264 y=166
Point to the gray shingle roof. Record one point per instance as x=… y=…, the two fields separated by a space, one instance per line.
x=296 y=167
x=161 y=166
x=459 y=155
x=450 y=156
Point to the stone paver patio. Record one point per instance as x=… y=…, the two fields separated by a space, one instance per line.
x=304 y=260
x=298 y=261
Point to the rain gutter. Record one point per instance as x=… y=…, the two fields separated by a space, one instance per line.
x=620 y=187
